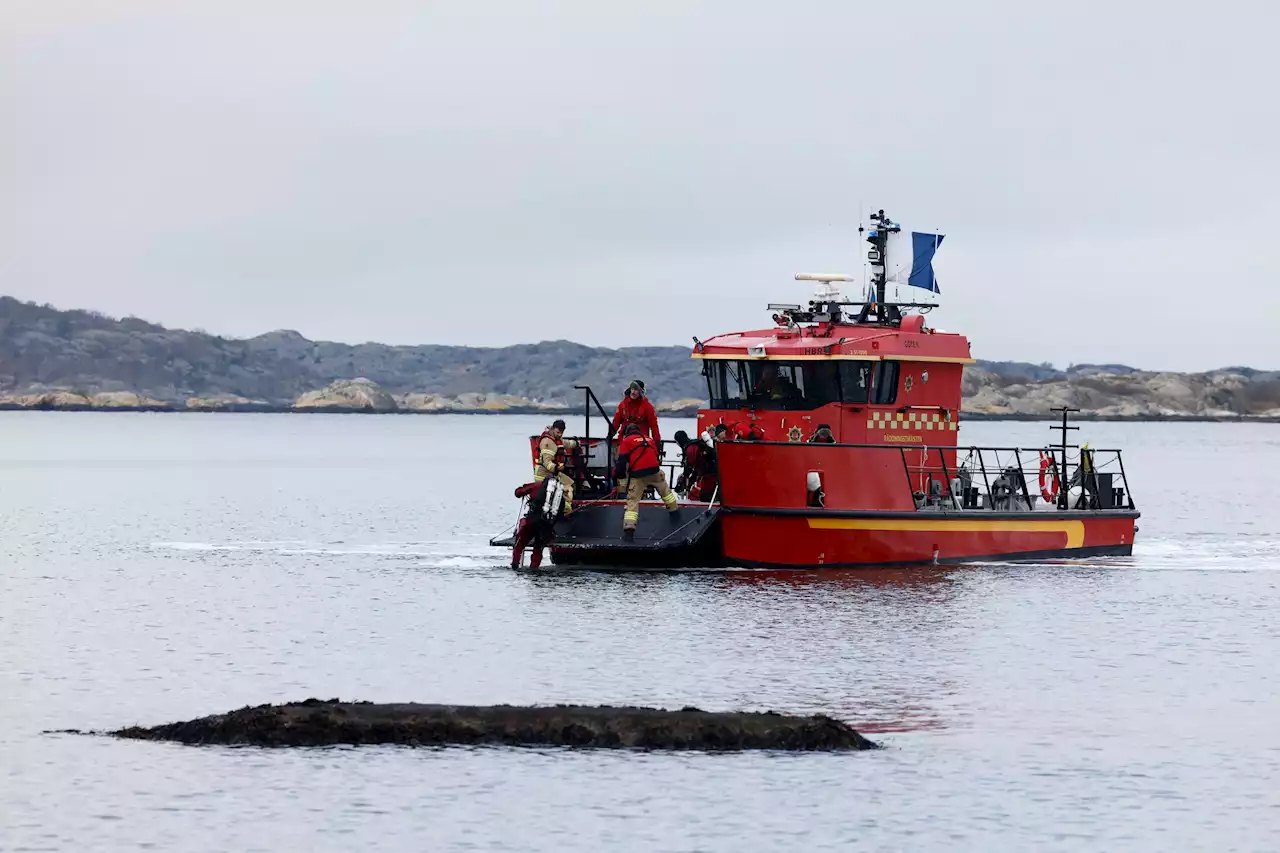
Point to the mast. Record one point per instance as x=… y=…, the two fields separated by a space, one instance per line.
x=878 y=236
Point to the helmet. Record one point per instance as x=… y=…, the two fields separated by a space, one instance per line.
x=631 y=429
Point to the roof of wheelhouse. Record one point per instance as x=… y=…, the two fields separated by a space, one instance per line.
x=912 y=341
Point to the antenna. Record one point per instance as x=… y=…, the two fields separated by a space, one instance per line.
x=825 y=291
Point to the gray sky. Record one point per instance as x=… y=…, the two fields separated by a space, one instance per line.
x=620 y=174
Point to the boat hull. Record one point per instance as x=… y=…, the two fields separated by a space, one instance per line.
x=705 y=537
x=807 y=539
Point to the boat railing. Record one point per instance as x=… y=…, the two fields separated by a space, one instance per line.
x=598 y=457
x=1016 y=478
x=950 y=478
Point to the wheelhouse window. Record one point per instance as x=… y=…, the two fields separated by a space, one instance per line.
x=765 y=384
x=855 y=381
x=885 y=387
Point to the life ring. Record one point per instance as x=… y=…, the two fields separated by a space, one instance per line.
x=1050 y=495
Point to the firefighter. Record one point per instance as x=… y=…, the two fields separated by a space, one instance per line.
x=748 y=431
x=635 y=408
x=638 y=462
x=822 y=435
x=551 y=457
x=773 y=386
x=697 y=479
x=537 y=527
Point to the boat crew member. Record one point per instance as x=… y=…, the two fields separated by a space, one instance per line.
x=698 y=478
x=822 y=435
x=774 y=386
x=635 y=408
x=551 y=455
x=638 y=462
x=537 y=527
x=748 y=431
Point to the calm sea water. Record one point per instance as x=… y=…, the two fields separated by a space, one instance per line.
x=161 y=567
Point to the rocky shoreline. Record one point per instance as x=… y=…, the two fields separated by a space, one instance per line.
x=314 y=722
x=52 y=360
x=567 y=413
x=363 y=396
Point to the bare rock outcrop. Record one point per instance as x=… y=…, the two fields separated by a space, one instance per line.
x=127 y=400
x=318 y=723
x=71 y=400
x=227 y=403
x=357 y=395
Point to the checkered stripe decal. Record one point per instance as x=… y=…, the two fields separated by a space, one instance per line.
x=909 y=421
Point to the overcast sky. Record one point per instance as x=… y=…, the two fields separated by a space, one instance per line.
x=1107 y=174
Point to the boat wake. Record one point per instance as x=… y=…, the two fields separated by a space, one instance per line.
x=435 y=553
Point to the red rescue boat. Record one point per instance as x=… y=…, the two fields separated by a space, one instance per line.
x=838 y=446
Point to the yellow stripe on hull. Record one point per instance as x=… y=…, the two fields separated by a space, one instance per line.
x=1073 y=529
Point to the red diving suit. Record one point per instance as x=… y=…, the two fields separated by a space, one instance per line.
x=537 y=527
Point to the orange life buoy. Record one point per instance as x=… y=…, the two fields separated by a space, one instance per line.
x=1050 y=494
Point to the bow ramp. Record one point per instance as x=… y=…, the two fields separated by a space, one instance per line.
x=592 y=536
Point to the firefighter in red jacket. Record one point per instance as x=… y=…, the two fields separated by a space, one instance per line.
x=636 y=409
x=639 y=464
x=747 y=431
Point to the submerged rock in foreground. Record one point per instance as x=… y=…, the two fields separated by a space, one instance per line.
x=317 y=723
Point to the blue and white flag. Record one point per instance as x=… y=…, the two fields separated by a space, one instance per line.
x=911 y=259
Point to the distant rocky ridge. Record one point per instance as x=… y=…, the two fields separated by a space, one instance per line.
x=82 y=360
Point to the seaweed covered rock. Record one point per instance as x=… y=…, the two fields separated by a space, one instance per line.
x=320 y=723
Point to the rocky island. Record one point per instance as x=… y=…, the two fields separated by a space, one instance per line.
x=324 y=723
x=84 y=361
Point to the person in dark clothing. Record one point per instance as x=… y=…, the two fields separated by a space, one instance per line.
x=822 y=435
x=697 y=479
x=537 y=527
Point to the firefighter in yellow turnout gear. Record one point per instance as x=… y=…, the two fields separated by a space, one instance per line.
x=639 y=462
x=551 y=447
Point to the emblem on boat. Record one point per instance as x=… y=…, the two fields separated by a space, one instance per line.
x=795 y=434
x=906 y=384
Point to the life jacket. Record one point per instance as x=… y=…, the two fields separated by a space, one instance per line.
x=537 y=448
x=639 y=455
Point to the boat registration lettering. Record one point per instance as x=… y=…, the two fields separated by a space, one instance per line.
x=907 y=439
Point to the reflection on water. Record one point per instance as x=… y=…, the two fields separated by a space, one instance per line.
x=159 y=568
